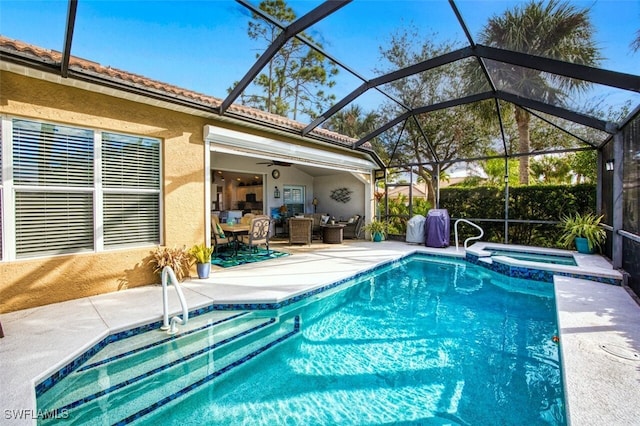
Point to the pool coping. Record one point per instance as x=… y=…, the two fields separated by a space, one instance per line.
x=588 y=267
x=36 y=346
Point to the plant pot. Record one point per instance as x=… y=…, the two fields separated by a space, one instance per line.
x=377 y=237
x=582 y=245
x=203 y=270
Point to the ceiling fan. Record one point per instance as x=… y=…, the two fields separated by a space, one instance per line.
x=276 y=163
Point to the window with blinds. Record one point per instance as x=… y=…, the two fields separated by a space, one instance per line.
x=64 y=203
x=53 y=223
x=51 y=155
x=131 y=181
x=130 y=219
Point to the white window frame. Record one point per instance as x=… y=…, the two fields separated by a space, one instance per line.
x=8 y=192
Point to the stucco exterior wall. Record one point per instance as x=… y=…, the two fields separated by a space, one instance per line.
x=29 y=283
x=34 y=282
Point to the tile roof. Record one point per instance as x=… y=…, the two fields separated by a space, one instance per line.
x=52 y=57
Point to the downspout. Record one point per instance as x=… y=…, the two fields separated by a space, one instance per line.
x=600 y=162
x=618 y=155
x=410 y=192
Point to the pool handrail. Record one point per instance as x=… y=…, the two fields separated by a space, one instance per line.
x=455 y=230
x=172 y=328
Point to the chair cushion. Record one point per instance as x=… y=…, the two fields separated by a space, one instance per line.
x=219 y=231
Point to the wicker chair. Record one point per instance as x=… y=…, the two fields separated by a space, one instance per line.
x=300 y=230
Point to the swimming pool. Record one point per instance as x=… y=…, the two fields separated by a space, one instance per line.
x=420 y=341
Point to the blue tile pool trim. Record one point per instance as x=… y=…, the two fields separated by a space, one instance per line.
x=157 y=370
x=159 y=342
x=534 y=273
x=80 y=360
x=191 y=387
x=287 y=302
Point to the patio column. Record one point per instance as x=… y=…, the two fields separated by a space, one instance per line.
x=437 y=194
x=506 y=200
x=207 y=192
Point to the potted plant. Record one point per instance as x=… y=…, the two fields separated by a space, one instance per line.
x=378 y=229
x=177 y=258
x=201 y=254
x=582 y=230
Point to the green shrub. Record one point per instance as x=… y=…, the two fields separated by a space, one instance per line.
x=545 y=203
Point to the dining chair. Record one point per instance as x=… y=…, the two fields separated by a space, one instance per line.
x=259 y=231
x=246 y=219
x=217 y=234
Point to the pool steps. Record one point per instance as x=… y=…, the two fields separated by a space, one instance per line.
x=127 y=385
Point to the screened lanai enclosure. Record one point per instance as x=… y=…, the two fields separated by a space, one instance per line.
x=460 y=94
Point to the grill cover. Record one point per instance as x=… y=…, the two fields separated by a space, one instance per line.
x=437 y=228
x=415 y=229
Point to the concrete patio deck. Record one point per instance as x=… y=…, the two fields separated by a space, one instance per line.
x=599 y=325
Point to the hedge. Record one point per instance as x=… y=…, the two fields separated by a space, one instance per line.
x=528 y=203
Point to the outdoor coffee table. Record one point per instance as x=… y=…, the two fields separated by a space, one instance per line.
x=332 y=234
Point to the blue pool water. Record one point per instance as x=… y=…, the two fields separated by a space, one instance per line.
x=419 y=342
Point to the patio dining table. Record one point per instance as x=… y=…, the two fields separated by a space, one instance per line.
x=236 y=230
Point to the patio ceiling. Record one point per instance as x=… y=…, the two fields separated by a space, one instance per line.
x=591 y=118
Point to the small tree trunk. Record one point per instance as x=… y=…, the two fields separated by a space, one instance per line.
x=523 y=118
x=431 y=192
x=428 y=184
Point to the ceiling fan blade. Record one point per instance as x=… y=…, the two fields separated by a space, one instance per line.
x=276 y=163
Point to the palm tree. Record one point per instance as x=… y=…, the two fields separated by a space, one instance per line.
x=555 y=30
x=635 y=44
x=352 y=122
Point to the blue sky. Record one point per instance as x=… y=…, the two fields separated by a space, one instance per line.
x=203 y=45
